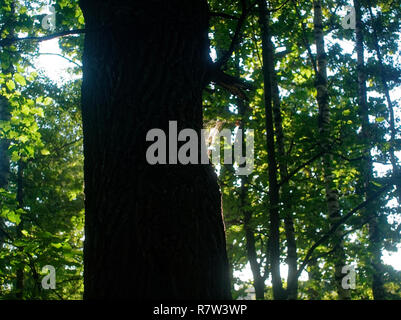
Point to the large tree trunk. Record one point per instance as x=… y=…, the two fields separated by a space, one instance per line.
x=366 y=166
x=278 y=291
x=151 y=231
x=333 y=207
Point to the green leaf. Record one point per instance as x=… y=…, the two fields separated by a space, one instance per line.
x=14 y=217
x=32 y=76
x=380 y=119
x=25 y=109
x=47 y=101
x=376 y=184
x=15 y=156
x=23 y=138
x=45 y=152
x=10 y=85
x=20 y=79
x=20 y=211
x=39 y=112
x=19 y=68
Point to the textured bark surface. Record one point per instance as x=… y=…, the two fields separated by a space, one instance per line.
x=322 y=97
x=366 y=166
x=150 y=231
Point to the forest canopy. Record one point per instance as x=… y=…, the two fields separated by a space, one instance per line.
x=318 y=82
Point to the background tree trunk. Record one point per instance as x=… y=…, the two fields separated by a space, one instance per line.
x=5 y=108
x=278 y=291
x=333 y=207
x=292 y=279
x=5 y=115
x=20 y=227
x=150 y=231
x=366 y=166
x=258 y=277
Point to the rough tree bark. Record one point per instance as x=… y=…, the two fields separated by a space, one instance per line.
x=333 y=207
x=366 y=166
x=278 y=291
x=150 y=231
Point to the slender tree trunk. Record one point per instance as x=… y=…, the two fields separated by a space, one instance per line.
x=292 y=279
x=20 y=227
x=258 y=278
x=5 y=108
x=322 y=97
x=4 y=144
x=391 y=120
x=150 y=231
x=375 y=242
x=5 y=115
x=314 y=280
x=278 y=291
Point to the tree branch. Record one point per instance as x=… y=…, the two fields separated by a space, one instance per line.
x=223 y=15
x=6 y=233
x=391 y=121
x=8 y=41
x=333 y=229
x=60 y=55
x=244 y=13
x=304 y=39
x=297 y=169
x=232 y=84
x=279 y=7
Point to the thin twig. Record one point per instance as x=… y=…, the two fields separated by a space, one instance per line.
x=8 y=41
x=223 y=15
x=341 y=221
x=60 y=55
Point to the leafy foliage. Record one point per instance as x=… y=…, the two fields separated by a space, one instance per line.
x=42 y=206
